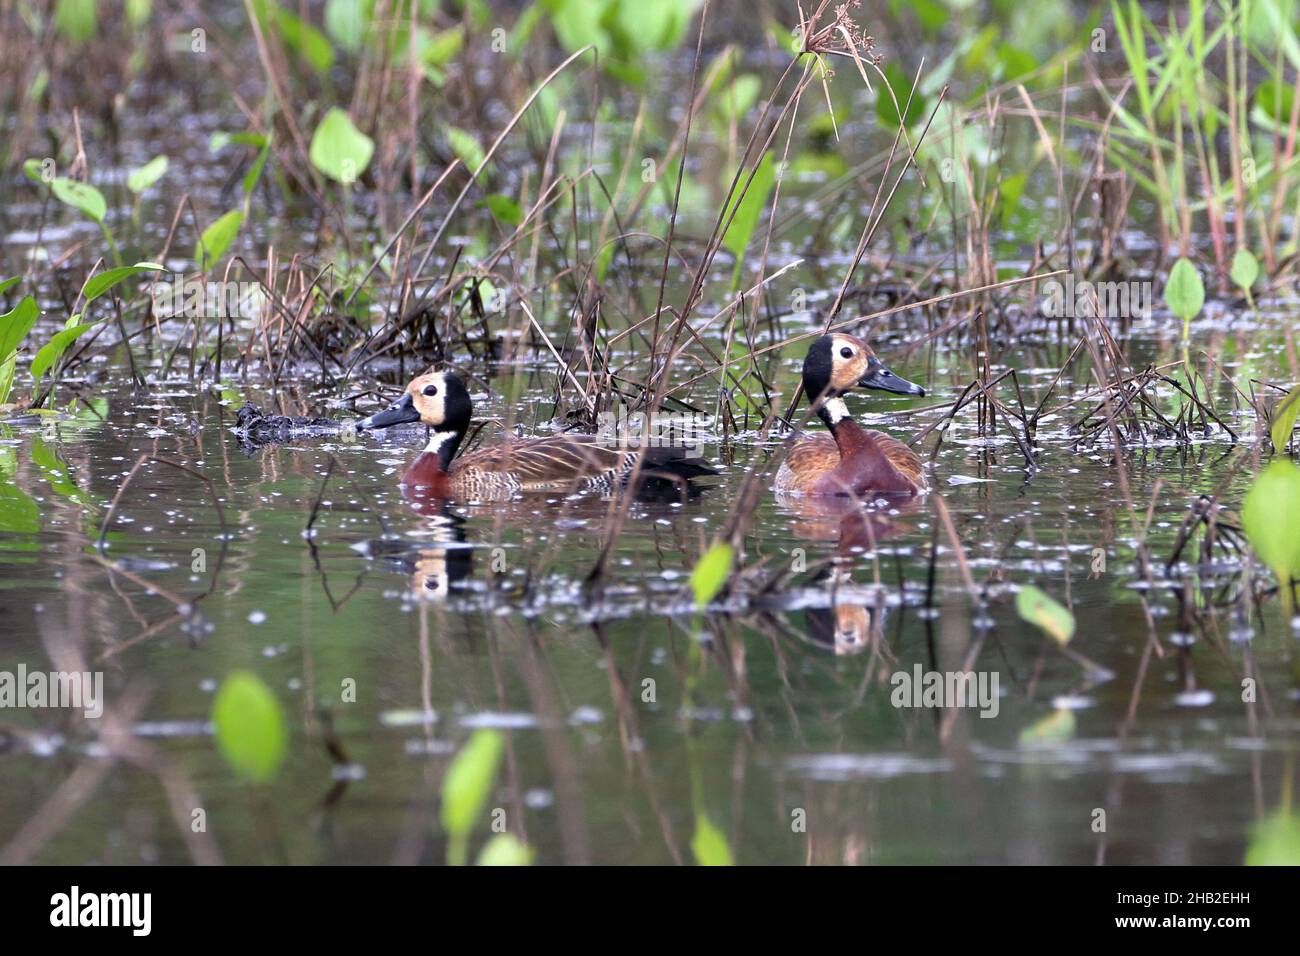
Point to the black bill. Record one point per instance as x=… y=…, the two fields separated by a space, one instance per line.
x=399 y=413
x=881 y=378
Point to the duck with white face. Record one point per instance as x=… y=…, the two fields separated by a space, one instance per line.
x=851 y=460
x=501 y=470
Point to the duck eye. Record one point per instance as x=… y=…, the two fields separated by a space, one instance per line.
x=846 y=352
x=431 y=390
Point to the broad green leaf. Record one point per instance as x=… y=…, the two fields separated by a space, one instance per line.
x=900 y=83
x=250 y=728
x=711 y=572
x=53 y=350
x=1284 y=416
x=1271 y=517
x=1057 y=726
x=1184 y=292
x=99 y=284
x=34 y=169
x=1245 y=269
x=505 y=849
x=7 y=369
x=340 y=150
x=467 y=148
x=8 y=284
x=346 y=22
x=748 y=210
x=141 y=179
x=217 y=239
x=300 y=36
x=1040 y=610
x=468 y=783
x=444 y=47
x=15 y=324
x=708 y=844
x=504 y=209
x=76 y=20
x=81 y=196
x=1275 y=841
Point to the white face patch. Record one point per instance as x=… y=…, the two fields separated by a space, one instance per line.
x=437 y=440
x=836 y=410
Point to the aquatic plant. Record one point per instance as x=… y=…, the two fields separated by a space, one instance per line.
x=249 y=726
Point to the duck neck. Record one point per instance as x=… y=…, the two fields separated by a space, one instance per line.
x=444 y=444
x=848 y=435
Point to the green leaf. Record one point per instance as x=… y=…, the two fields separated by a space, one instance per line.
x=309 y=43
x=708 y=844
x=1284 y=416
x=53 y=350
x=900 y=83
x=1184 y=292
x=1275 y=841
x=15 y=324
x=8 y=284
x=749 y=210
x=346 y=22
x=1040 y=610
x=340 y=150
x=711 y=572
x=217 y=239
x=1271 y=517
x=467 y=148
x=99 y=284
x=1245 y=269
x=504 y=209
x=81 y=196
x=505 y=849
x=255 y=171
x=250 y=727
x=141 y=179
x=1057 y=726
x=468 y=783
x=76 y=20
x=444 y=47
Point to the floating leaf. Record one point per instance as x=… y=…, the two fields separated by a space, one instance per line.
x=81 y=196
x=505 y=849
x=711 y=572
x=1271 y=517
x=141 y=179
x=1245 y=269
x=99 y=284
x=340 y=150
x=708 y=844
x=1284 y=416
x=1057 y=726
x=1038 y=609
x=467 y=786
x=250 y=727
x=1184 y=292
x=217 y=239
x=1275 y=841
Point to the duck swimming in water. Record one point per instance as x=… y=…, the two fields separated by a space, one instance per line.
x=852 y=460
x=567 y=461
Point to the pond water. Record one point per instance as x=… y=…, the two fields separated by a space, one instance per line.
x=627 y=717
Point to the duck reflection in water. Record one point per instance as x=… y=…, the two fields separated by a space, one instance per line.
x=853 y=619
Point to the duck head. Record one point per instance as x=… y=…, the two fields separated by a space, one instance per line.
x=438 y=399
x=837 y=364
